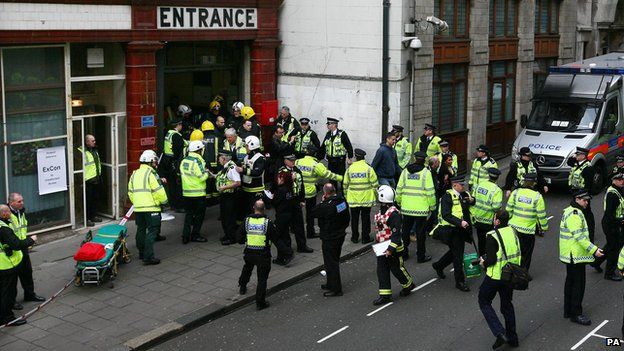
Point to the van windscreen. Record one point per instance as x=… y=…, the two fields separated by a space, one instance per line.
x=560 y=116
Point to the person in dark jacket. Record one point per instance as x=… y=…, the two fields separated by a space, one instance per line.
x=291 y=126
x=446 y=172
x=612 y=222
x=279 y=149
x=582 y=178
x=337 y=147
x=258 y=232
x=11 y=245
x=385 y=163
x=173 y=153
x=334 y=212
x=523 y=166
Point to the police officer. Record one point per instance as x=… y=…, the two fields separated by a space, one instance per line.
x=415 y=195
x=252 y=172
x=92 y=176
x=336 y=147
x=582 y=178
x=147 y=194
x=257 y=233
x=291 y=126
x=10 y=259
x=279 y=149
x=359 y=186
x=402 y=146
x=575 y=250
x=527 y=210
x=453 y=224
x=518 y=169
x=212 y=146
x=445 y=149
x=502 y=247
x=480 y=165
x=292 y=220
x=306 y=137
x=312 y=170
x=19 y=224
x=388 y=225
x=334 y=212
x=228 y=182
x=174 y=148
x=429 y=142
x=488 y=200
x=612 y=222
x=194 y=175
x=235 y=145
x=619 y=166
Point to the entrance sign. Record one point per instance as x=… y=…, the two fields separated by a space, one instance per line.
x=205 y=18
x=51 y=170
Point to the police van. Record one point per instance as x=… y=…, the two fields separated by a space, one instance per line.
x=580 y=104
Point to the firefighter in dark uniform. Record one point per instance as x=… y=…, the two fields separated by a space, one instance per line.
x=173 y=153
x=10 y=258
x=252 y=174
x=518 y=169
x=279 y=149
x=306 y=137
x=453 y=228
x=211 y=156
x=337 y=148
x=388 y=224
x=334 y=212
x=612 y=222
x=257 y=232
x=582 y=178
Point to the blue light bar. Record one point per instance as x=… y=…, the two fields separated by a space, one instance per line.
x=588 y=70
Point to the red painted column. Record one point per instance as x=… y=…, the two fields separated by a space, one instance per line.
x=263 y=72
x=140 y=97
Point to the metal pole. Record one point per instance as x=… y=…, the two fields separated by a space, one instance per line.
x=385 y=68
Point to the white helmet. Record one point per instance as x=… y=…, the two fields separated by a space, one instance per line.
x=148 y=156
x=385 y=194
x=183 y=110
x=196 y=145
x=252 y=142
x=238 y=106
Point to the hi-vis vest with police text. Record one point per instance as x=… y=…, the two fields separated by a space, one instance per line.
x=256 y=229
x=456 y=210
x=303 y=141
x=335 y=148
x=574 y=243
x=312 y=170
x=575 y=178
x=415 y=193
x=521 y=171
x=527 y=209
x=479 y=171
x=222 y=178
x=488 y=199
x=360 y=185
x=512 y=248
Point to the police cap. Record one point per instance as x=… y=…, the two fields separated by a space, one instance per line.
x=420 y=154
x=443 y=143
x=304 y=120
x=524 y=151
x=494 y=172
x=290 y=157
x=332 y=120
x=532 y=176
x=618 y=176
x=582 y=194
x=581 y=150
x=483 y=148
x=397 y=128
x=458 y=179
x=359 y=152
x=430 y=126
x=226 y=153
x=619 y=158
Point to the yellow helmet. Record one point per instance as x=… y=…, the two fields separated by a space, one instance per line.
x=207 y=125
x=247 y=112
x=197 y=135
x=219 y=99
x=215 y=105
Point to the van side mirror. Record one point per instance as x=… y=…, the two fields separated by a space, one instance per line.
x=524 y=119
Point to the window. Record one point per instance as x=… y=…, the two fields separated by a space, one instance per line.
x=546 y=17
x=449 y=97
x=540 y=71
x=503 y=18
x=502 y=86
x=455 y=13
x=609 y=120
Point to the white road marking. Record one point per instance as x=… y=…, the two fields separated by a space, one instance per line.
x=424 y=284
x=591 y=333
x=379 y=309
x=333 y=334
x=601 y=336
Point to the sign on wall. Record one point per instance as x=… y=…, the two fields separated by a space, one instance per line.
x=174 y=17
x=51 y=170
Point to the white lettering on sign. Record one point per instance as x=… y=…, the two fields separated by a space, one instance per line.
x=51 y=170
x=174 y=17
x=148 y=141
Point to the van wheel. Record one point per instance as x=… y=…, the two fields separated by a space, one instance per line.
x=599 y=179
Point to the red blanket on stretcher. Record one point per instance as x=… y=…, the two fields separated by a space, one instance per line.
x=90 y=252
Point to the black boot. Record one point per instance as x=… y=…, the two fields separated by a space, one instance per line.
x=382 y=300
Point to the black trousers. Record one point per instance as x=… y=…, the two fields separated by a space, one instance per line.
x=310 y=204
x=574 y=290
x=8 y=290
x=611 y=250
x=25 y=274
x=365 y=214
x=482 y=229
x=148 y=229
x=455 y=254
x=92 y=196
x=228 y=205
x=336 y=165
x=591 y=222
x=194 y=217
x=263 y=267
x=331 y=259
x=174 y=184
x=249 y=199
x=287 y=222
x=488 y=290
x=418 y=225
x=394 y=264
x=527 y=243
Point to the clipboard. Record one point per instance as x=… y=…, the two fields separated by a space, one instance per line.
x=381 y=248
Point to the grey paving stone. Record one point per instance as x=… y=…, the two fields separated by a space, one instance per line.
x=226 y=260
x=174 y=291
x=119 y=301
x=91 y=306
x=156 y=286
x=184 y=282
x=201 y=287
x=6 y=338
x=217 y=268
x=19 y=345
x=210 y=278
x=47 y=322
x=79 y=317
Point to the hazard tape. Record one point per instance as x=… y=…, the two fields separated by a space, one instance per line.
x=31 y=312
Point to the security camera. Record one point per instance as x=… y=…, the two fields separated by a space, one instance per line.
x=412 y=42
x=440 y=24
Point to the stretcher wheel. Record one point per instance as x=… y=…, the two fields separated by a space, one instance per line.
x=126 y=259
x=77 y=281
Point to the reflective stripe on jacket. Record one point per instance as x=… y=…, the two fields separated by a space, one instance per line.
x=145 y=190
